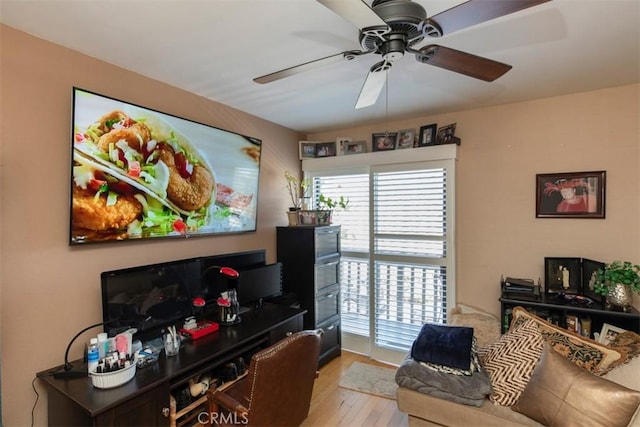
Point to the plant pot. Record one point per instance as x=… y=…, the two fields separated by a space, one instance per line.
x=619 y=296
x=324 y=217
x=292 y=217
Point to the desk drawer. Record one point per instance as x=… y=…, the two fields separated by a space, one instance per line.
x=327 y=305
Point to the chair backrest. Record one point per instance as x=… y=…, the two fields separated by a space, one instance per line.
x=280 y=380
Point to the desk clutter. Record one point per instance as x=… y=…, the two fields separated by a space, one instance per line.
x=111 y=361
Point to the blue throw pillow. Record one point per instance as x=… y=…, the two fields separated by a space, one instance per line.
x=444 y=345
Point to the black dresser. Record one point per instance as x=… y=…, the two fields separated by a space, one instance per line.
x=310 y=257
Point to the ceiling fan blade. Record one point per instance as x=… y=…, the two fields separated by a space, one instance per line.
x=373 y=85
x=277 y=75
x=474 y=12
x=355 y=11
x=462 y=62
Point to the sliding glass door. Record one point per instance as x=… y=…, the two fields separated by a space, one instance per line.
x=397 y=267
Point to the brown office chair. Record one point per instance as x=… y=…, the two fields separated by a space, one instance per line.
x=278 y=386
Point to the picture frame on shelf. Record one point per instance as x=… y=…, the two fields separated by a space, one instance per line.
x=406 y=139
x=446 y=134
x=608 y=333
x=562 y=275
x=326 y=149
x=427 y=135
x=340 y=144
x=307 y=149
x=384 y=141
x=590 y=277
x=571 y=195
x=355 y=147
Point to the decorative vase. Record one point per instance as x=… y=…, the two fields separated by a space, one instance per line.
x=292 y=216
x=619 y=296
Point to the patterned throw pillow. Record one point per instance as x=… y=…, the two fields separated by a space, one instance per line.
x=594 y=357
x=627 y=343
x=510 y=361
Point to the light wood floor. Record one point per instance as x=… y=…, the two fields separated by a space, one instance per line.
x=335 y=406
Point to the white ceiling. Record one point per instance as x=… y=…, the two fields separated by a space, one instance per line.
x=215 y=48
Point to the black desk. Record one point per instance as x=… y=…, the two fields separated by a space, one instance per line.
x=145 y=399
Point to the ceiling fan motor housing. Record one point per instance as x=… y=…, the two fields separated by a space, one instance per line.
x=406 y=20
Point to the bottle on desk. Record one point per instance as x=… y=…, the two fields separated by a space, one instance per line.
x=93 y=355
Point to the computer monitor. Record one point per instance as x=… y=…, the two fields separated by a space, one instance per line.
x=259 y=283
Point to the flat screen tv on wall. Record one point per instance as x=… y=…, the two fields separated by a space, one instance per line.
x=139 y=173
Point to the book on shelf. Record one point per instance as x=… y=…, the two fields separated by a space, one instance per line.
x=519 y=286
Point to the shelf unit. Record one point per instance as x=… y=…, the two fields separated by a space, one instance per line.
x=188 y=416
x=549 y=307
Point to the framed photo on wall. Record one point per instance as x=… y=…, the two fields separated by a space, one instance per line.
x=562 y=275
x=384 y=141
x=571 y=195
x=427 y=135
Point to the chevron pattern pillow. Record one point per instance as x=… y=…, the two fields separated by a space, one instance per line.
x=510 y=361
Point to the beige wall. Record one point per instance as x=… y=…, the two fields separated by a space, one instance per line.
x=502 y=150
x=50 y=290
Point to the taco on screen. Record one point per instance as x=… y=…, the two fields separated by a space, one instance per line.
x=106 y=207
x=148 y=154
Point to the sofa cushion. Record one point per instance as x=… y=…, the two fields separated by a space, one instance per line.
x=443 y=345
x=561 y=393
x=486 y=326
x=511 y=360
x=584 y=352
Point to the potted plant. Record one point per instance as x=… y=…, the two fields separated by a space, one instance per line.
x=296 y=188
x=325 y=203
x=326 y=206
x=617 y=282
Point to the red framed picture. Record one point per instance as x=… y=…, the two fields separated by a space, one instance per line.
x=570 y=195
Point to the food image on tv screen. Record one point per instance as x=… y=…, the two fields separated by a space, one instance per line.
x=139 y=173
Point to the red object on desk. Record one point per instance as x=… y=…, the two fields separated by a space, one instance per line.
x=204 y=327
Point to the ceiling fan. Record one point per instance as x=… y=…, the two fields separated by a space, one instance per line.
x=391 y=28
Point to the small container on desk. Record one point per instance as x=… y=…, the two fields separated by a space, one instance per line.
x=115 y=378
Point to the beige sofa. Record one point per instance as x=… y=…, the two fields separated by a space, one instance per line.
x=426 y=410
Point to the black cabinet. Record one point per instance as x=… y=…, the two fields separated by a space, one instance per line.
x=310 y=258
x=150 y=408
x=565 y=314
